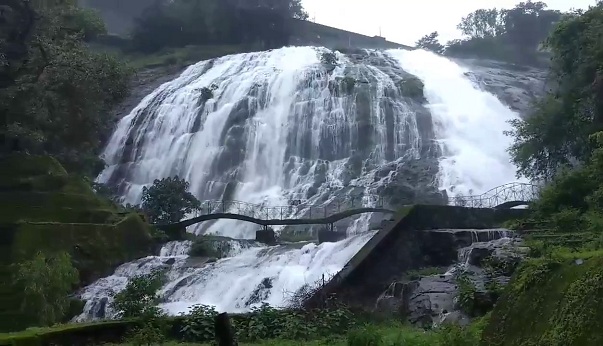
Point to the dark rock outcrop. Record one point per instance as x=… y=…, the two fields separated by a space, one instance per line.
x=436 y=299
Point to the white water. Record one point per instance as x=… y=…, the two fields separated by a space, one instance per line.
x=287 y=93
x=469 y=124
x=229 y=283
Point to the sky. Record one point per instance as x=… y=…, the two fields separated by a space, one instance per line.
x=405 y=21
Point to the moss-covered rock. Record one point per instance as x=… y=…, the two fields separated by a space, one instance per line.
x=412 y=88
x=45 y=209
x=550 y=303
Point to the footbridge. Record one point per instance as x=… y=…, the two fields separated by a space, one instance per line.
x=327 y=212
x=298 y=212
x=501 y=197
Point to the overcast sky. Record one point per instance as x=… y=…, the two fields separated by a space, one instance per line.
x=405 y=21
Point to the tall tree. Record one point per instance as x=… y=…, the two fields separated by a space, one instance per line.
x=557 y=134
x=483 y=23
x=55 y=93
x=431 y=42
x=529 y=23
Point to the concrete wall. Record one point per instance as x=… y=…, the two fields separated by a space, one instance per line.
x=406 y=245
x=312 y=34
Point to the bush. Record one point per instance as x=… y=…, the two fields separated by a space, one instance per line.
x=139 y=298
x=365 y=336
x=206 y=247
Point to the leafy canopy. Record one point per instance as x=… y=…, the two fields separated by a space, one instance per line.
x=168 y=200
x=55 y=93
x=557 y=135
x=512 y=35
x=46 y=281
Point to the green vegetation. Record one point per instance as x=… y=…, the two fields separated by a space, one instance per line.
x=168 y=200
x=55 y=92
x=512 y=35
x=180 y=23
x=428 y=271
x=48 y=213
x=554 y=297
x=210 y=246
x=46 y=281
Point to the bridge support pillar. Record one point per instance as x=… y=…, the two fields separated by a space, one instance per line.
x=329 y=235
x=266 y=235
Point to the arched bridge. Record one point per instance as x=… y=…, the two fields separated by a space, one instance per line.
x=501 y=197
x=297 y=213
x=304 y=213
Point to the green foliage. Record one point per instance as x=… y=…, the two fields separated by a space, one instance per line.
x=366 y=336
x=140 y=297
x=265 y=322
x=152 y=330
x=198 y=325
x=431 y=42
x=422 y=272
x=54 y=98
x=512 y=35
x=183 y=22
x=207 y=247
x=46 y=281
x=168 y=200
x=553 y=301
x=329 y=60
x=558 y=134
x=467 y=295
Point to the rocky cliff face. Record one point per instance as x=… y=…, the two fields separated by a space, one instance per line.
x=516 y=86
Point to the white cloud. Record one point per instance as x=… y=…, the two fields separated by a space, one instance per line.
x=405 y=21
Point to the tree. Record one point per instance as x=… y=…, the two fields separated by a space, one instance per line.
x=529 y=23
x=483 y=23
x=168 y=200
x=431 y=42
x=55 y=94
x=512 y=35
x=557 y=134
x=46 y=281
x=184 y=22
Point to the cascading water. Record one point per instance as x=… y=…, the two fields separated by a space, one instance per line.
x=273 y=126
x=469 y=124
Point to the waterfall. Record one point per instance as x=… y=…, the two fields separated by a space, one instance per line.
x=269 y=127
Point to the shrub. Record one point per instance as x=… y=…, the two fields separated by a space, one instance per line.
x=365 y=336
x=139 y=298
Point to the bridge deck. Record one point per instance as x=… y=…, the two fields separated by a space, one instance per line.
x=502 y=197
x=275 y=222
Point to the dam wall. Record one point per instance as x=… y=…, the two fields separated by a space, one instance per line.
x=409 y=243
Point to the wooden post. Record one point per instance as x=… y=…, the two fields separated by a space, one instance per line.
x=225 y=335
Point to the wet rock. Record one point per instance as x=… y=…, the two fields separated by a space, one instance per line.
x=266 y=236
x=516 y=86
x=326 y=235
x=436 y=299
x=478 y=254
x=454 y=318
x=261 y=292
